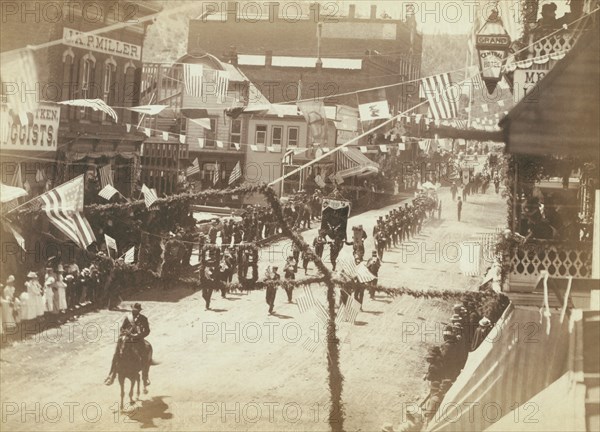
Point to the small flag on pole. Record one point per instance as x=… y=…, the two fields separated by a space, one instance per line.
x=130 y=255
x=236 y=174
x=110 y=242
x=149 y=196
x=108 y=192
x=194 y=169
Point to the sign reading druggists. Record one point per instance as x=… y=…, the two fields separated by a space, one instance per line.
x=101 y=44
x=39 y=135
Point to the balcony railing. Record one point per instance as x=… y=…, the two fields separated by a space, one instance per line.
x=559 y=259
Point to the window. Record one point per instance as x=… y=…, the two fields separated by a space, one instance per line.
x=235 y=135
x=130 y=92
x=88 y=64
x=261 y=135
x=68 y=80
x=276 y=135
x=108 y=91
x=292 y=137
x=211 y=135
x=208 y=172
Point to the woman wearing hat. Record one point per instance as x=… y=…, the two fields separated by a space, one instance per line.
x=49 y=281
x=34 y=289
x=485 y=325
x=10 y=305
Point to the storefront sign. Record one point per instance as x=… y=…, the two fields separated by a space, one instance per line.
x=101 y=44
x=525 y=80
x=343 y=136
x=39 y=135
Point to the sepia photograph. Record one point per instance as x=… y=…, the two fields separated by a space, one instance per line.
x=300 y=215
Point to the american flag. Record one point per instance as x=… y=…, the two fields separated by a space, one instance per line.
x=222 y=80
x=217 y=177
x=18 y=69
x=438 y=90
x=95 y=104
x=236 y=174
x=149 y=196
x=361 y=272
x=110 y=242
x=130 y=255
x=106 y=175
x=194 y=169
x=307 y=301
x=108 y=192
x=192 y=76
x=63 y=206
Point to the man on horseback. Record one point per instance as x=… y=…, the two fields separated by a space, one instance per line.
x=134 y=329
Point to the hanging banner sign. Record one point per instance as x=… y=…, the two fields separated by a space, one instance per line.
x=101 y=44
x=39 y=135
x=525 y=80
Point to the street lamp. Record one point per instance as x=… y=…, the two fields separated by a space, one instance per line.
x=492 y=43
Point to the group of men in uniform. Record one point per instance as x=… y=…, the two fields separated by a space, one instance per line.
x=401 y=224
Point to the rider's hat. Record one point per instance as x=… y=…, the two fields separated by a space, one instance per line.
x=137 y=307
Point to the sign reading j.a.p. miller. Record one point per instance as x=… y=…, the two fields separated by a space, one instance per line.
x=101 y=44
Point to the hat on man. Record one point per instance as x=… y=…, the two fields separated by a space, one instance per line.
x=456 y=318
x=485 y=322
x=32 y=275
x=457 y=307
x=10 y=279
x=137 y=307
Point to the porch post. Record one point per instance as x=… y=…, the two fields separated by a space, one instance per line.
x=596 y=241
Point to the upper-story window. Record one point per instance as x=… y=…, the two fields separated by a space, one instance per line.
x=130 y=92
x=261 y=135
x=69 y=79
x=108 y=80
x=235 y=135
x=292 y=138
x=211 y=135
x=88 y=66
x=276 y=135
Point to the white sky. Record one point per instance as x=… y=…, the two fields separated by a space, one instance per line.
x=435 y=16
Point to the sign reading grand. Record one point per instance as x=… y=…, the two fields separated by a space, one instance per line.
x=101 y=44
x=41 y=134
x=493 y=41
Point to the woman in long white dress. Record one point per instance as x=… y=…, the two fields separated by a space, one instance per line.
x=8 y=303
x=35 y=291
x=62 y=294
x=49 y=282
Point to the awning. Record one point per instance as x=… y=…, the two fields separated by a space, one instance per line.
x=353 y=163
x=505 y=371
x=9 y=193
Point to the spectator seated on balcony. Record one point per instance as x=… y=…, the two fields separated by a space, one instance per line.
x=539 y=227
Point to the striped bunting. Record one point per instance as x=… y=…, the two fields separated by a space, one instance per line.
x=95 y=104
x=192 y=76
x=63 y=206
x=106 y=176
x=217 y=177
x=442 y=101
x=108 y=192
x=149 y=196
x=307 y=301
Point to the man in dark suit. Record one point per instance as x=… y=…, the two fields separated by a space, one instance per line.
x=135 y=328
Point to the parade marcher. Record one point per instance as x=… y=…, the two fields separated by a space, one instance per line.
x=359 y=290
x=319 y=243
x=213 y=232
x=335 y=247
x=497 y=184
x=272 y=275
x=136 y=328
x=373 y=265
x=230 y=262
x=296 y=255
x=289 y=272
x=227 y=233
x=208 y=284
x=380 y=242
x=305 y=261
x=453 y=190
x=459 y=205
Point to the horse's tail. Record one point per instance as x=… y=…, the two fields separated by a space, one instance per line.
x=153 y=362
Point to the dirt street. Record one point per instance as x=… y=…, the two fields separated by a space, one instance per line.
x=236 y=367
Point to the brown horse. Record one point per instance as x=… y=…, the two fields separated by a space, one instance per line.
x=129 y=365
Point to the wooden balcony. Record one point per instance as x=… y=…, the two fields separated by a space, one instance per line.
x=559 y=259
